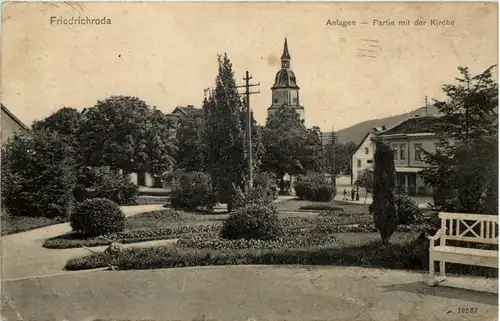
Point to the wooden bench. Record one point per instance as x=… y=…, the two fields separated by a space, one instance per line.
x=474 y=228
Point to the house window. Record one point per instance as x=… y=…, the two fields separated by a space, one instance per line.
x=367 y=151
x=369 y=161
x=395 y=149
x=402 y=151
x=359 y=162
x=418 y=152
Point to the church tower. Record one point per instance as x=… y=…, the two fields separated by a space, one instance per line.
x=285 y=91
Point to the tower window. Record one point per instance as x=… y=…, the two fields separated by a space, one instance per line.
x=276 y=100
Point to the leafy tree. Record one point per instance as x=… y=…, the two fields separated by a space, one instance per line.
x=38 y=174
x=384 y=182
x=125 y=133
x=464 y=169
x=161 y=144
x=342 y=156
x=65 y=121
x=224 y=137
x=289 y=146
x=190 y=143
x=365 y=180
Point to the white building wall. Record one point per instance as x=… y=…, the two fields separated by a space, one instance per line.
x=362 y=158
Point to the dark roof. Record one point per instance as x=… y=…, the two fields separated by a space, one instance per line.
x=285 y=78
x=187 y=110
x=427 y=124
x=14 y=118
x=286 y=54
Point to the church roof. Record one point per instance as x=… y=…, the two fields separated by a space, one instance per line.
x=285 y=78
x=286 y=54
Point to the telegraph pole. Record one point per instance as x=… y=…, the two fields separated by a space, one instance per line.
x=426 y=106
x=247 y=86
x=322 y=155
x=334 y=172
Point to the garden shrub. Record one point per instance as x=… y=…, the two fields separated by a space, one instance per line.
x=252 y=222
x=102 y=182
x=314 y=187
x=192 y=190
x=259 y=195
x=97 y=216
x=407 y=209
x=38 y=175
x=267 y=181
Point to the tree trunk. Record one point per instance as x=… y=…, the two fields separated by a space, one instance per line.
x=366 y=196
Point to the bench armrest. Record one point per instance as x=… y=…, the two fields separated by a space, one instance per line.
x=440 y=233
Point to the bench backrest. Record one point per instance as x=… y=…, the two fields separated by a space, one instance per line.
x=477 y=228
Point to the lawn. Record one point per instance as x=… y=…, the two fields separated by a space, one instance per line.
x=168 y=224
x=328 y=238
x=16 y=224
x=155 y=225
x=295 y=205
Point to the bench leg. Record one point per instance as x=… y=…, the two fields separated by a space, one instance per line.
x=432 y=281
x=442 y=272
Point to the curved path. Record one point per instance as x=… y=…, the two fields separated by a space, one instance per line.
x=24 y=256
x=34 y=287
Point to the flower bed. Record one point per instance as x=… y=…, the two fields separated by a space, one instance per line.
x=405 y=253
x=290 y=240
x=133 y=236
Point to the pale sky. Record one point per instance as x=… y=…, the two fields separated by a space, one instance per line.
x=166 y=54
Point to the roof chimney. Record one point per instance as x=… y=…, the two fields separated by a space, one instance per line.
x=190 y=106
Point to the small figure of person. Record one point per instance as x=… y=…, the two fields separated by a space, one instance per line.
x=352 y=194
x=345 y=195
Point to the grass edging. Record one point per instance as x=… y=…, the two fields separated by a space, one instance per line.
x=400 y=256
x=58 y=243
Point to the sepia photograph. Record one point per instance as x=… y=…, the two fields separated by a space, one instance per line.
x=249 y=161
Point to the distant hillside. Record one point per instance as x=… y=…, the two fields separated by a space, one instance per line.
x=356 y=132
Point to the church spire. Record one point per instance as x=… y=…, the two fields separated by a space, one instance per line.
x=285 y=57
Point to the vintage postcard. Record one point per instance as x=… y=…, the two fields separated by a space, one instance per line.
x=238 y=161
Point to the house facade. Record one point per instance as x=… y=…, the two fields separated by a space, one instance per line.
x=362 y=157
x=10 y=124
x=408 y=140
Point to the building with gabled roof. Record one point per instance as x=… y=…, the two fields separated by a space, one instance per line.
x=408 y=140
x=10 y=124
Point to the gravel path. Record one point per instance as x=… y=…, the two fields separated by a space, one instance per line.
x=234 y=293
x=24 y=256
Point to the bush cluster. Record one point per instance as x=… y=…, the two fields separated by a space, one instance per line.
x=252 y=222
x=37 y=175
x=259 y=195
x=97 y=216
x=191 y=191
x=102 y=182
x=314 y=187
x=406 y=209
